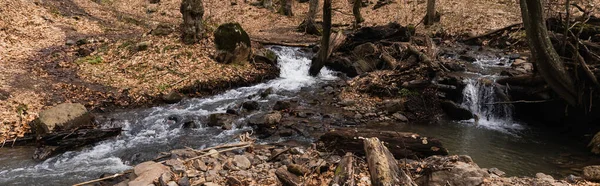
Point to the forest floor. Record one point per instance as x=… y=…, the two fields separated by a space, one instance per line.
x=88 y=51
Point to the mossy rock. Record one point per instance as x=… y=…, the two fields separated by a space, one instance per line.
x=233 y=43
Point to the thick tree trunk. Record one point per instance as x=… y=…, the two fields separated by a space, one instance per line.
x=286 y=7
x=430 y=17
x=344 y=171
x=383 y=167
x=319 y=62
x=356 y=11
x=546 y=59
x=192 y=26
x=401 y=144
x=268 y=4
x=309 y=25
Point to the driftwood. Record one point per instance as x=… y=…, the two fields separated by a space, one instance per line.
x=383 y=167
x=516 y=26
x=522 y=80
x=60 y=142
x=400 y=144
x=344 y=171
x=287 y=178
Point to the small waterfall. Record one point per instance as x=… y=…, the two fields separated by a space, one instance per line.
x=482 y=97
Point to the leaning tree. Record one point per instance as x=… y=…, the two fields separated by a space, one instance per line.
x=547 y=60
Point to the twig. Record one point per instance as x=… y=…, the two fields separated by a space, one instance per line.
x=101 y=179
x=276 y=155
x=208 y=154
x=223 y=146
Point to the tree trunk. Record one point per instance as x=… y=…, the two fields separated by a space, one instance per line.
x=309 y=24
x=430 y=17
x=344 y=171
x=383 y=167
x=192 y=26
x=286 y=7
x=547 y=61
x=268 y=4
x=401 y=144
x=356 y=11
x=319 y=62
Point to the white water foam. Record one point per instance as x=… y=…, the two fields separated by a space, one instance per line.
x=150 y=128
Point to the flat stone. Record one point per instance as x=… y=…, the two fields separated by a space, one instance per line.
x=147 y=172
x=400 y=117
x=64 y=116
x=176 y=165
x=200 y=165
x=241 y=162
x=172 y=183
x=210 y=184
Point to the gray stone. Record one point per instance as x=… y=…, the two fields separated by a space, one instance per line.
x=544 y=177
x=184 y=181
x=455 y=111
x=64 y=116
x=496 y=172
x=400 y=117
x=241 y=162
x=210 y=184
x=172 y=97
x=456 y=172
x=251 y=105
x=282 y=105
x=297 y=150
x=176 y=165
x=223 y=120
x=70 y=42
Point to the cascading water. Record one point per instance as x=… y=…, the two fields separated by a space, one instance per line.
x=148 y=132
x=480 y=96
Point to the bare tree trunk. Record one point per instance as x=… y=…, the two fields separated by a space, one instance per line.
x=430 y=17
x=309 y=24
x=356 y=11
x=547 y=61
x=192 y=26
x=268 y=4
x=286 y=7
x=319 y=62
x=383 y=167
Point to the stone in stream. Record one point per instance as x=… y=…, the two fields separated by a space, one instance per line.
x=172 y=97
x=65 y=116
x=223 y=120
x=176 y=166
x=251 y=105
x=455 y=111
x=282 y=105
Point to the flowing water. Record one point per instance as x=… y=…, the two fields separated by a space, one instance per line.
x=148 y=132
x=495 y=140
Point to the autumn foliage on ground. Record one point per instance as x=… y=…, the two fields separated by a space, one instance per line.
x=102 y=52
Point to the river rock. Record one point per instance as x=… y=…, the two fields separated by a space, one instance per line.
x=455 y=172
x=184 y=181
x=172 y=97
x=251 y=105
x=282 y=105
x=592 y=173
x=147 y=172
x=210 y=184
x=393 y=106
x=400 y=117
x=176 y=165
x=200 y=165
x=223 y=120
x=64 y=116
x=266 y=120
x=455 y=111
x=233 y=44
x=241 y=162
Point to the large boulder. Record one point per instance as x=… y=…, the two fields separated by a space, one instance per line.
x=455 y=111
x=457 y=170
x=64 y=116
x=595 y=144
x=233 y=44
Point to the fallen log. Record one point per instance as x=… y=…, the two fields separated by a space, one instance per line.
x=56 y=143
x=400 y=144
x=287 y=178
x=344 y=172
x=522 y=80
x=383 y=167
